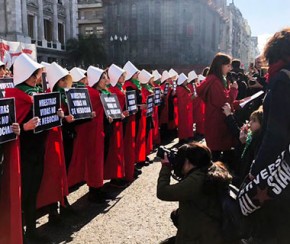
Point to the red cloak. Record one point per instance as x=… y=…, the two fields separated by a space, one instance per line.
x=185 y=129
x=53 y=186
x=114 y=166
x=87 y=162
x=10 y=198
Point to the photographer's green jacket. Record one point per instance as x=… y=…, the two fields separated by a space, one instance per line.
x=199 y=213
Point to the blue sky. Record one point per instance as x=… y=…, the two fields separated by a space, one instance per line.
x=265 y=17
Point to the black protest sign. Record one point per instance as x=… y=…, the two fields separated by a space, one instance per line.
x=174 y=85
x=45 y=107
x=111 y=106
x=131 y=102
x=7 y=118
x=166 y=88
x=157 y=96
x=79 y=103
x=150 y=105
x=5 y=83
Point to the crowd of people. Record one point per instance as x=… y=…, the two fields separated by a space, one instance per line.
x=40 y=169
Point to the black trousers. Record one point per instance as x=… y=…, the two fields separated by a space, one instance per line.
x=32 y=163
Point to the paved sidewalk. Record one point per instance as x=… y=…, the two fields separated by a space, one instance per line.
x=134 y=216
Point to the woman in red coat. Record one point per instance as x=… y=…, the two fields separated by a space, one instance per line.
x=215 y=91
x=185 y=128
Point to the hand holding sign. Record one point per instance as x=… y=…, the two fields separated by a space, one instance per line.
x=31 y=124
x=69 y=118
x=15 y=128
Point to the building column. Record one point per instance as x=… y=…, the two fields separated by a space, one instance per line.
x=55 y=22
x=67 y=20
x=24 y=18
x=40 y=33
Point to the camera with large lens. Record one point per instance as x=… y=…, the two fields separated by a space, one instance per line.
x=174 y=159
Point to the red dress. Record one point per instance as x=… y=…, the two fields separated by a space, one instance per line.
x=156 y=134
x=212 y=92
x=88 y=157
x=114 y=166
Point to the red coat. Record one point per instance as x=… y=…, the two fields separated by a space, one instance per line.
x=87 y=162
x=156 y=134
x=198 y=109
x=10 y=198
x=212 y=92
x=129 y=140
x=53 y=186
x=140 y=149
x=164 y=108
x=114 y=166
x=185 y=129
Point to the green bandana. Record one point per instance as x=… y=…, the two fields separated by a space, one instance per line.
x=62 y=94
x=79 y=85
x=147 y=87
x=119 y=85
x=136 y=83
x=104 y=91
x=30 y=90
x=248 y=142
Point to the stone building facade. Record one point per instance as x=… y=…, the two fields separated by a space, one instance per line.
x=47 y=23
x=90 y=17
x=164 y=33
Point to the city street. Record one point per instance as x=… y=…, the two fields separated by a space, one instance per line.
x=134 y=216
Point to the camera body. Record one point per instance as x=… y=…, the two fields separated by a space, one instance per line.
x=175 y=161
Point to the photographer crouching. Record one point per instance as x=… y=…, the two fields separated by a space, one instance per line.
x=200 y=181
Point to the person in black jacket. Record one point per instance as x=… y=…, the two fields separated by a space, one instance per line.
x=274 y=218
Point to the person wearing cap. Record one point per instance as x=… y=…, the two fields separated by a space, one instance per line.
x=146 y=80
x=87 y=162
x=215 y=91
x=185 y=129
x=32 y=146
x=156 y=134
x=79 y=77
x=134 y=137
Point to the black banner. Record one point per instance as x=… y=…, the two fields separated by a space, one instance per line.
x=157 y=96
x=131 y=102
x=174 y=85
x=166 y=88
x=111 y=106
x=5 y=83
x=7 y=118
x=79 y=103
x=150 y=105
x=45 y=107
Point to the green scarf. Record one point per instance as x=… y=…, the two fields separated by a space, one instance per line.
x=119 y=85
x=104 y=91
x=248 y=142
x=136 y=83
x=62 y=94
x=225 y=82
x=148 y=87
x=30 y=90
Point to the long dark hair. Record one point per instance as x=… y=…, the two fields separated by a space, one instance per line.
x=219 y=60
x=278 y=47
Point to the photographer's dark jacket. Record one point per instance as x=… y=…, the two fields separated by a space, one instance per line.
x=199 y=211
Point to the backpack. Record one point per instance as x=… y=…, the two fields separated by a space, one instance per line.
x=235 y=226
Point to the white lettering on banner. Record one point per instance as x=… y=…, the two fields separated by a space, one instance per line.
x=131 y=102
x=83 y=110
x=47 y=111
x=78 y=95
x=49 y=119
x=6 y=85
x=77 y=103
x=110 y=105
x=4 y=109
x=47 y=102
x=110 y=99
x=5 y=130
x=131 y=97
